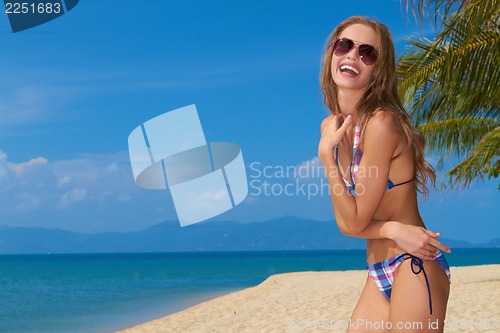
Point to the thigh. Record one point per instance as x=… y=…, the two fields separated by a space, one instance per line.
x=409 y=307
x=371 y=312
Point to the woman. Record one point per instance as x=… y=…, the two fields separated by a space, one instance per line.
x=374 y=162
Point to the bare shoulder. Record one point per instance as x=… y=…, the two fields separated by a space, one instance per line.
x=325 y=122
x=384 y=131
x=383 y=123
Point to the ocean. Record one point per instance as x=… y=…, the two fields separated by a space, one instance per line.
x=57 y=293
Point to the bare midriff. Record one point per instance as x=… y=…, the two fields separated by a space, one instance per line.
x=398 y=204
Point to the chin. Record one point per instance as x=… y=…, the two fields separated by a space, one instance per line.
x=342 y=84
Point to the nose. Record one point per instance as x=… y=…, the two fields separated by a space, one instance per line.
x=353 y=53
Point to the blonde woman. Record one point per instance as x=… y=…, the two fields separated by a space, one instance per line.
x=374 y=161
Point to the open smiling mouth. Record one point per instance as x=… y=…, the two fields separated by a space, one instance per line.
x=349 y=70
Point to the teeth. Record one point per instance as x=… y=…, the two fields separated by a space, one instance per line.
x=344 y=67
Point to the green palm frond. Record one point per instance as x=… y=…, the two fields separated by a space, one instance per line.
x=443 y=11
x=419 y=8
x=468 y=70
x=457 y=135
x=451 y=84
x=483 y=159
x=470 y=45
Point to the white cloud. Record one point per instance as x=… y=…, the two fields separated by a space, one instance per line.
x=40 y=184
x=19 y=167
x=73 y=196
x=63 y=180
x=311 y=170
x=72 y=193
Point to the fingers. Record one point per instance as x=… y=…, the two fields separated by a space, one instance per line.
x=340 y=119
x=331 y=120
x=437 y=244
x=340 y=124
x=432 y=233
x=346 y=123
x=429 y=252
x=425 y=255
x=337 y=122
x=324 y=129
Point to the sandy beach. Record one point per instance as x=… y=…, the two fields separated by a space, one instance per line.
x=323 y=301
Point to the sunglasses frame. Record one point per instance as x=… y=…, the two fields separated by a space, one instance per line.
x=365 y=51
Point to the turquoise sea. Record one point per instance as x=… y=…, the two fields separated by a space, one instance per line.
x=106 y=292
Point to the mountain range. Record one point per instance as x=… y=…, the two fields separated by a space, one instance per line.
x=281 y=234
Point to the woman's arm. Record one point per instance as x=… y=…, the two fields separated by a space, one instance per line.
x=415 y=240
x=380 y=143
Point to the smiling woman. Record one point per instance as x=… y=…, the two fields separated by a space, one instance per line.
x=368 y=129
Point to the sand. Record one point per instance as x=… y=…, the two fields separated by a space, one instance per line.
x=323 y=302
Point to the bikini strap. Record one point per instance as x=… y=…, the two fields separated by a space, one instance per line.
x=353 y=168
x=355 y=160
x=390 y=184
x=417 y=266
x=357 y=134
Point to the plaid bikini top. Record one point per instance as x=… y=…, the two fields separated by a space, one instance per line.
x=357 y=154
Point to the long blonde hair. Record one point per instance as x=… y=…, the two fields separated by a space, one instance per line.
x=382 y=93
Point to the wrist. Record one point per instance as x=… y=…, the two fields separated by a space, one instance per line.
x=325 y=153
x=391 y=229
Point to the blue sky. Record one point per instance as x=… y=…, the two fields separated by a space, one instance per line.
x=73 y=89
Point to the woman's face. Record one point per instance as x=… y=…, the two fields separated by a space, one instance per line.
x=349 y=72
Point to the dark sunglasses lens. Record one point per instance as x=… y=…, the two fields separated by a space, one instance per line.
x=368 y=54
x=342 y=46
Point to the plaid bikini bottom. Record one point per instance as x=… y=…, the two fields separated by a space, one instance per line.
x=382 y=273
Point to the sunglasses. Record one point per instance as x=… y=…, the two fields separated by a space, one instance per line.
x=367 y=53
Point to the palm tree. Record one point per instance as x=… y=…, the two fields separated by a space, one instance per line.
x=451 y=85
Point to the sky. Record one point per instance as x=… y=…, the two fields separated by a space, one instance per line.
x=73 y=89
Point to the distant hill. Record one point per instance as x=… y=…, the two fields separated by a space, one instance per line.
x=286 y=233
x=493 y=243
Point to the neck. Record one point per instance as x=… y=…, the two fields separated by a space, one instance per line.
x=348 y=100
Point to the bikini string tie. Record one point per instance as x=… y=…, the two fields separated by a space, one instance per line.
x=417 y=266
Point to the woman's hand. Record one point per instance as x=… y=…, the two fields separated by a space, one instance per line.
x=418 y=241
x=331 y=133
